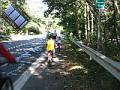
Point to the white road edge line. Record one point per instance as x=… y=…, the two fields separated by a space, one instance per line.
x=18 y=84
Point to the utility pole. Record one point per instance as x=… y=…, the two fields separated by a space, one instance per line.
x=85 y=17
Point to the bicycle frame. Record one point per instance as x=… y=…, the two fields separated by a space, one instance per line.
x=50 y=56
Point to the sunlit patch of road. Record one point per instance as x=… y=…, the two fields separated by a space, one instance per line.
x=26 y=37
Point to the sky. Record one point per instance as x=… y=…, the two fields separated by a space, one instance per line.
x=37 y=7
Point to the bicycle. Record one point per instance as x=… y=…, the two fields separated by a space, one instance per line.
x=50 y=58
x=5 y=83
x=58 y=47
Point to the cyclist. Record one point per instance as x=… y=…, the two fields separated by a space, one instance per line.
x=58 y=44
x=50 y=49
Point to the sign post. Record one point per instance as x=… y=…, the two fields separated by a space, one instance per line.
x=100 y=5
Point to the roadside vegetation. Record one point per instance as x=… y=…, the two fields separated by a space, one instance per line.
x=80 y=18
x=85 y=73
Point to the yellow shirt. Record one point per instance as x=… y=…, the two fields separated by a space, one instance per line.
x=50 y=45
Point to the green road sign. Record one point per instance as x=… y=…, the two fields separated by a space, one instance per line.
x=100 y=0
x=100 y=4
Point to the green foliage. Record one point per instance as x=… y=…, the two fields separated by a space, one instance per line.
x=18 y=2
x=33 y=30
x=38 y=21
x=8 y=29
x=70 y=12
x=109 y=6
x=99 y=77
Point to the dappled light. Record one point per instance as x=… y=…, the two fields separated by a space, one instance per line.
x=80 y=49
x=39 y=76
x=86 y=48
x=59 y=60
x=75 y=67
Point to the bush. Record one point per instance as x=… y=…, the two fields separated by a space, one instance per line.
x=33 y=30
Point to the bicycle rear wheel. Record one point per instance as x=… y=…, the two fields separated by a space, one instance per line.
x=50 y=58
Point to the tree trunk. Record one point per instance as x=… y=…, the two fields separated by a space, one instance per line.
x=114 y=21
x=85 y=15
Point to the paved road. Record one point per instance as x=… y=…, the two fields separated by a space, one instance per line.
x=27 y=50
x=47 y=78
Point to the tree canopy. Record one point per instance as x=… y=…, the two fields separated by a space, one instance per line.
x=81 y=18
x=70 y=12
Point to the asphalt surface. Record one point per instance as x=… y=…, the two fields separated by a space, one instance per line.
x=27 y=51
x=47 y=78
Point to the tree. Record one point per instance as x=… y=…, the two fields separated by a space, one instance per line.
x=70 y=12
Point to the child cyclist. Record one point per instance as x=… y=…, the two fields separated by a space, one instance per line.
x=50 y=48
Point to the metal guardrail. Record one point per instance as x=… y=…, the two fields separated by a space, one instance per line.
x=112 y=66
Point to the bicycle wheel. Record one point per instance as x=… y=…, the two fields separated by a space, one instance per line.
x=7 y=84
x=49 y=61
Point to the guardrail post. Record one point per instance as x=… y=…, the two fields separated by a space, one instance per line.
x=90 y=58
